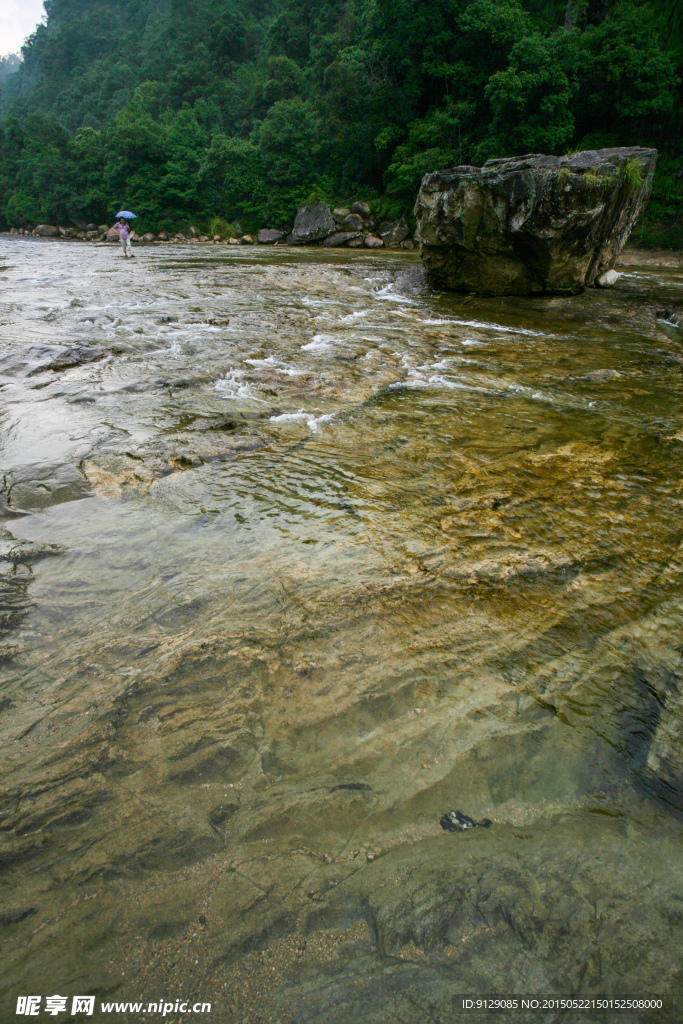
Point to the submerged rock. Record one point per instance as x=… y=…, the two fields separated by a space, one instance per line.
x=34 y=487
x=456 y=821
x=531 y=224
x=669 y=323
x=313 y=222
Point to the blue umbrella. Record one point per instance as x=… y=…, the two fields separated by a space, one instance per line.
x=127 y=214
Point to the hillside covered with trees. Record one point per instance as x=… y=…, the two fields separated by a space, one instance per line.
x=188 y=110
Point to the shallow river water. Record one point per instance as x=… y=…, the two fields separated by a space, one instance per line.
x=296 y=557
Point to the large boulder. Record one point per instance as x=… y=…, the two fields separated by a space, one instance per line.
x=269 y=236
x=112 y=235
x=312 y=223
x=46 y=231
x=531 y=224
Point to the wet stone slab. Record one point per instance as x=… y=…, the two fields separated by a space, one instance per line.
x=307 y=560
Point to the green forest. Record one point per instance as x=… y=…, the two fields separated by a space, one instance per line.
x=197 y=111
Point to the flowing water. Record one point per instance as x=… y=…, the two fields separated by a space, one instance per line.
x=297 y=557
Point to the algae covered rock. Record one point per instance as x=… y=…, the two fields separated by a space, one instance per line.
x=531 y=224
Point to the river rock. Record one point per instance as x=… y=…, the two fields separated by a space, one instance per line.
x=373 y=242
x=102 y=228
x=246 y=240
x=30 y=488
x=341 y=238
x=269 y=236
x=608 y=279
x=362 y=209
x=393 y=232
x=148 y=237
x=162 y=237
x=112 y=235
x=46 y=231
x=531 y=224
x=312 y=223
x=353 y=222
x=340 y=213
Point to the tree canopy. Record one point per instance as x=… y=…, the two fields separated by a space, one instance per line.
x=185 y=110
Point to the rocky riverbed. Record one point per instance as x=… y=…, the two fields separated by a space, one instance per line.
x=297 y=557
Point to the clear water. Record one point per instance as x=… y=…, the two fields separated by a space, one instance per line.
x=334 y=556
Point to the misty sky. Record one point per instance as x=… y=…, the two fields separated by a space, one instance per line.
x=18 y=18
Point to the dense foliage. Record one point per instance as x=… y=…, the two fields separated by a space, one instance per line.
x=191 y=109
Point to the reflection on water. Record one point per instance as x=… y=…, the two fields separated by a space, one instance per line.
x=298 y=557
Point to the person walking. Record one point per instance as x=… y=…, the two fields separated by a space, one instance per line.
x=124 y=237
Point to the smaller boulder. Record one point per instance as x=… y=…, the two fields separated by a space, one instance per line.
x=233 y=241
x=269 y=236
x=162 y=237
x=46 y=231
x=216 y=238
x=607 y=280
x=353 y=222
x=148 y=236
x=64 y=232
x=203 y=238
x=341 y=238
x=91 y=227
x=102 y=228
x=179 y=236
x=112 y=235
x=362 y=209
x=408 y=244
x=246 y=240
x=91 y=235
x=373 y=242
x=393 y=232
x=340 y=213
x=81 y=234
x=356 y=242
